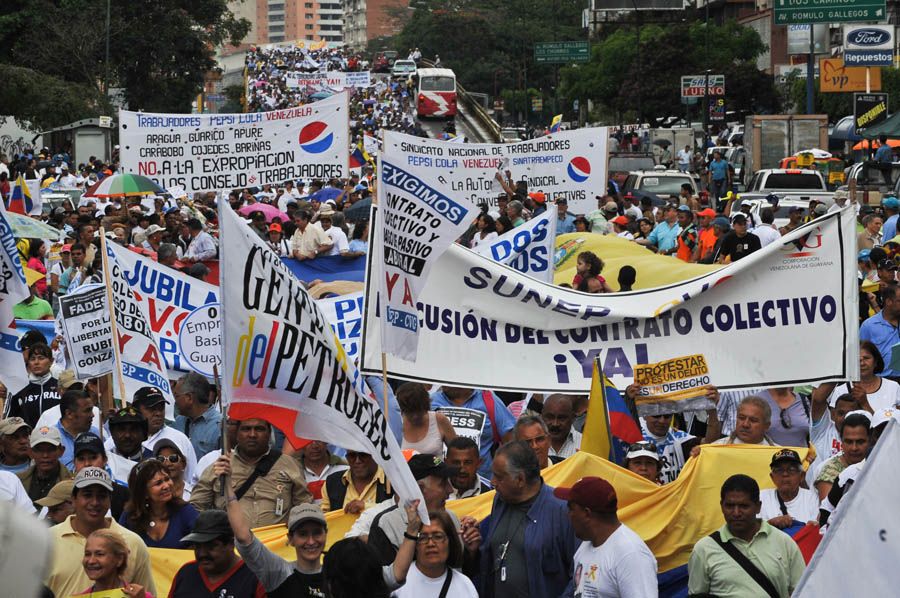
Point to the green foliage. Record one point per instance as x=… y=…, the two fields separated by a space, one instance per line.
x=839 y=105
x=621 y=70
x=159 y=49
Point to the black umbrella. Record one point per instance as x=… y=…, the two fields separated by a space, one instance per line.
x=358 y=211
x=663 y=143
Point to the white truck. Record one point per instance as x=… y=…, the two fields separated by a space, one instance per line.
x=790 y=185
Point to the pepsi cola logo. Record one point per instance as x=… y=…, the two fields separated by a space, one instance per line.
x=579 y=169
x=315 y=137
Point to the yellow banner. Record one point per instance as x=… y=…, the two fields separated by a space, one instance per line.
x=669 y=518
x=652 y=270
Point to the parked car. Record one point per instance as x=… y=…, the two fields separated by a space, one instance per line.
x=511 y=134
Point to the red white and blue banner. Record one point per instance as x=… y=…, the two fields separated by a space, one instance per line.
x=283 y=363
x=213 y=152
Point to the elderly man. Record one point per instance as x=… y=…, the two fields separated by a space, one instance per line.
x=199 y=419
x=559 y=415
x=754 y=416
x=528 y=542
x=787 y=502
x=532 y=430
x=202 y=247
x=746 y=556
x=267 y=483
x=91 y=500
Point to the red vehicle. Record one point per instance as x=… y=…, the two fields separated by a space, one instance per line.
x=437 y=93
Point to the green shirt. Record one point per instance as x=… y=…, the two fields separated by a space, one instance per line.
x=711 y=570
x=38 y=309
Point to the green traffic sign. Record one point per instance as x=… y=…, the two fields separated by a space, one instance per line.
x=788 y=12
x=562 y=52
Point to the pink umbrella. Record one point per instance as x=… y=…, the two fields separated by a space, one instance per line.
x=268 y=210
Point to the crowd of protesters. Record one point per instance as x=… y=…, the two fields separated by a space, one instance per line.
x=114 y=483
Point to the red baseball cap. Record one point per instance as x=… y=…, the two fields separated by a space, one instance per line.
x=707 y=213
x=593 y=493
x=620 y=220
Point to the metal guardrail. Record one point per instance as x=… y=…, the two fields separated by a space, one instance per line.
x=474 y=109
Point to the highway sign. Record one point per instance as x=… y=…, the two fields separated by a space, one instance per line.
x=692 y=86
x=828 y=11
x=562 y=52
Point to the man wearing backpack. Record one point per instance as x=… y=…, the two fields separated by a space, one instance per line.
x=498 y=425
x=267 y=483
x=746 y=556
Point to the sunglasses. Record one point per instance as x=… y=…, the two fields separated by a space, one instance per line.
x=170 y=458
x=785 y=418
x=645 y=446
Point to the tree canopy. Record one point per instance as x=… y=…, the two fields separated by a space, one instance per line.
x=159 y=53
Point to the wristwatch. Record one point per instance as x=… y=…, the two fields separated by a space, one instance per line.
x=409 y=536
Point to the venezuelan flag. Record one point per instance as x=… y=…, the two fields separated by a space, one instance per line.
x=358 y=158
x=609 y=427
x=555 y=123
x=20 y=200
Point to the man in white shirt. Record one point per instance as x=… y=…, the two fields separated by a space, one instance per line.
x=684 y=158
x=787 y=502
x=289 y=194
x=202 y=246
x=339 y=243
x=766 y=231
x=12 y=490
x=612 y=560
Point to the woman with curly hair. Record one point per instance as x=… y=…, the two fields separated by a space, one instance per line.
x=587 y=277
x=155 y=511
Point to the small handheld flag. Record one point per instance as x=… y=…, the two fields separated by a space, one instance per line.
x=555 y=123
x=20 y=200
x=609 y=427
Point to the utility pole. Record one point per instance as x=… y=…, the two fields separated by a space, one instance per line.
x=706 y=79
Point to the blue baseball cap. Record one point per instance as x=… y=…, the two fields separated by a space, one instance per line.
x=684 y=209
x=891 y=202
x=863 y=255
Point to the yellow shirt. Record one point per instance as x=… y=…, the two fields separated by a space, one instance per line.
x=309 y=241
x=67 y=575
x=368 y=495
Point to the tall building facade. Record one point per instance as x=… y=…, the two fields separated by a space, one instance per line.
x=365 y=20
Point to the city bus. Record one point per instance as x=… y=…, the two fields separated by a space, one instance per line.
x=436 y=95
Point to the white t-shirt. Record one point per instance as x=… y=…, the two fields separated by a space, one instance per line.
x=11 y=489
x=886 y=397
x=766 y=233
x=477 y=240
x=825 y=438
x=621 y=567
x=804 y=507
x=338 y=240
x=418 y=585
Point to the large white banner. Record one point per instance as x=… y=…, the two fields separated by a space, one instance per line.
x=527 y=248
x=784 y=315
x=329 y=80
x=863 y=524
x=141 y=362
x=420 y=220
x=283 y=363
x=84 y=316
x=568 y=164
x=212 y=152
x=13 y=289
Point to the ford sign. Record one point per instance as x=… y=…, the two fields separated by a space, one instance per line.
x=868 y=37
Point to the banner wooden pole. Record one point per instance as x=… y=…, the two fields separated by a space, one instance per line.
x=384 y=381
x=112 y=317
